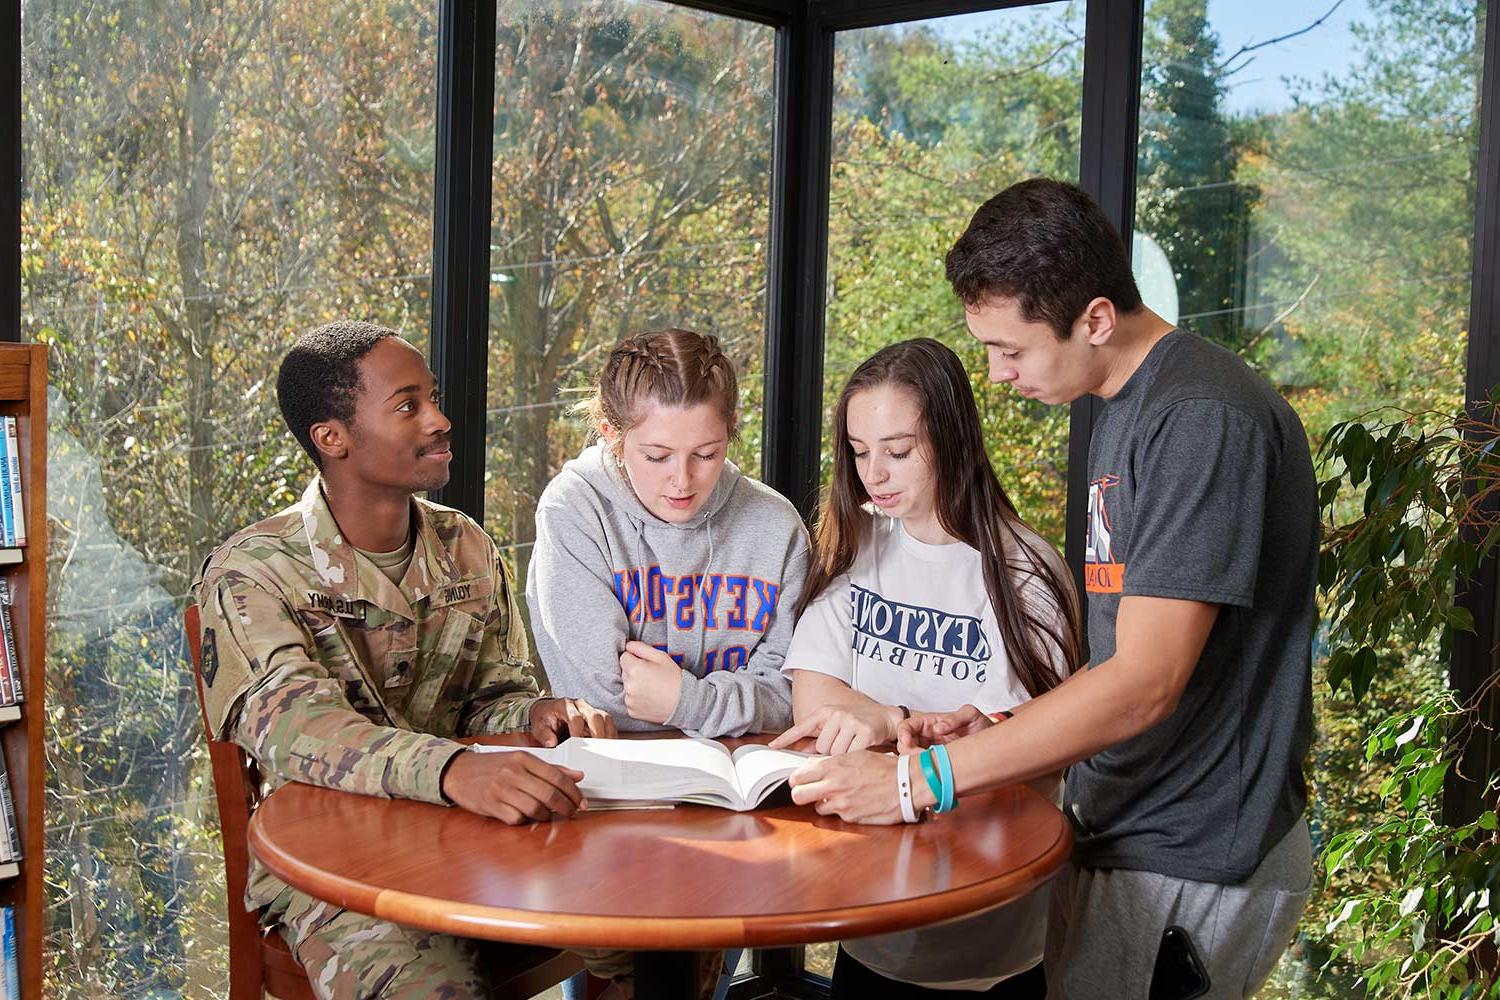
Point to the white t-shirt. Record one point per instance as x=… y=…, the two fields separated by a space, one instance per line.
x=911 y=624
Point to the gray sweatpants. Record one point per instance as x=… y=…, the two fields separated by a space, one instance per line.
x=1104 y=926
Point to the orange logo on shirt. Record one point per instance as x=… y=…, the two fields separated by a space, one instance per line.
x=1101 y=573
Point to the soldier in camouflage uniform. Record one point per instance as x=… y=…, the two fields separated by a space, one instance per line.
x=348 y=640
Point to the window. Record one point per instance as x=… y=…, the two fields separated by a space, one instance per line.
x=930 y=119
x=633 y=146
x=202 y=184
x=1305 y=197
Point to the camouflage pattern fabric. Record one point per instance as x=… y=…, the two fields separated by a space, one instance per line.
x=355 y=957
x=329 y=674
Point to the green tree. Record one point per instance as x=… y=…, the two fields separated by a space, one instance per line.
x=631 y=191
x=202 y=183
x=1190 y=199
x=927 y=127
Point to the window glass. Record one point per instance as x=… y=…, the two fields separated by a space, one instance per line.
x=202 y=183
x=633 y=145
x=930 y=119
x=1306 y=195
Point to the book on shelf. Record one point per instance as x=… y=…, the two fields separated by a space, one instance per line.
x=10 y=832
x=11 y=692
x=643 y=774
x=17 y=501
x=7 y=668
x=7 y=501
x=12 y=977
x=11 y=662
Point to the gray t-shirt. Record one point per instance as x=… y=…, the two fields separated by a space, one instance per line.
x=1201 y=488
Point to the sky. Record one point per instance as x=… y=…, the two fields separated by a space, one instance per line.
x=1260 y=86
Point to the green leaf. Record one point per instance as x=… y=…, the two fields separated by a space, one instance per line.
x=1362 y=672
x=1328 y=569
x=1338 y=668
x=1410 y=900
x=1352 y=910
x=1390 y=484
x=1459 y=618
x=1329 y=491
x=1414 y=545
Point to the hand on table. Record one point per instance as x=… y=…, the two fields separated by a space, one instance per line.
x=925 y=729
x=859 y=787
x=554 y=718
x=844 y=728
x=512 y=787
x=653 y=682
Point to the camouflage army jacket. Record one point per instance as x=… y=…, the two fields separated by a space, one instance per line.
x=327 y=673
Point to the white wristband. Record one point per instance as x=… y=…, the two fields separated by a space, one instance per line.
x=903 y=788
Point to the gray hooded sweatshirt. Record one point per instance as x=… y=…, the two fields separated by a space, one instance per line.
x=717 y=594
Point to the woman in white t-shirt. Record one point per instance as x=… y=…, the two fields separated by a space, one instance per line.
x=927 y=592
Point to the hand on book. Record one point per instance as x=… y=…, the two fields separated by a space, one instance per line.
x=843 y=728
x=859 y=787
x=512 y=787
x=924 y=729
x=653 y=682
x=554 y=718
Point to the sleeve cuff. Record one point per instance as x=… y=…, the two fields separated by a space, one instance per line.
x=423 y=781
x=513 y=718
x=693 y=699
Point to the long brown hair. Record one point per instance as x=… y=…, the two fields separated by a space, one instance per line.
x=971 y=506
x=672 y=367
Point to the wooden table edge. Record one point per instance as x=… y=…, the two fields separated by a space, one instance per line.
x=565 y=930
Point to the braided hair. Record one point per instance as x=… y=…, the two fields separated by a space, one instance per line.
x=671 y=367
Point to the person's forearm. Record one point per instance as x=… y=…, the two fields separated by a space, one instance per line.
x=812 y=690
x=1091 y=711
x=732 y=703
x=499 y=710
x=501 y=693
x=299 y=728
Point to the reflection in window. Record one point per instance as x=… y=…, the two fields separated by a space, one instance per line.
x=202 y=183
x=632 y=170
x=931 y=119
x=1314 y=201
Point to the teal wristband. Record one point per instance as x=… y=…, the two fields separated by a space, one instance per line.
x=929 y=771
x=945 y=772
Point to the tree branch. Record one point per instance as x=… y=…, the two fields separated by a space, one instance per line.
x=1223 y=68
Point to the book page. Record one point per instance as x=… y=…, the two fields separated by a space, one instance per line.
x=761 y=769
x=669 y=769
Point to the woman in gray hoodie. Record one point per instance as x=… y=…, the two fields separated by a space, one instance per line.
x=663 y=580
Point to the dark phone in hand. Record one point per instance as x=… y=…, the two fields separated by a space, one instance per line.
x=1179 y=973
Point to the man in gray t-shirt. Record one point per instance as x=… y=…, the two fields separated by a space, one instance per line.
x=1187 y=734
x=1201 y=489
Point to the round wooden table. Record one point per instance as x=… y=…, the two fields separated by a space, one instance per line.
x=693 y=877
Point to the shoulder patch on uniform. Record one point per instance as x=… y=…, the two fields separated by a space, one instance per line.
x=464 y=590
x=209 y=660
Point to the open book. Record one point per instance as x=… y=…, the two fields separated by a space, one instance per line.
x=624 y=774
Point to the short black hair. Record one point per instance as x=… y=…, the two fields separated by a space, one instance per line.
x=1047 y=245
x=319 y=377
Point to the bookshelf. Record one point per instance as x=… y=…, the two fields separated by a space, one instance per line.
x=23 y=395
